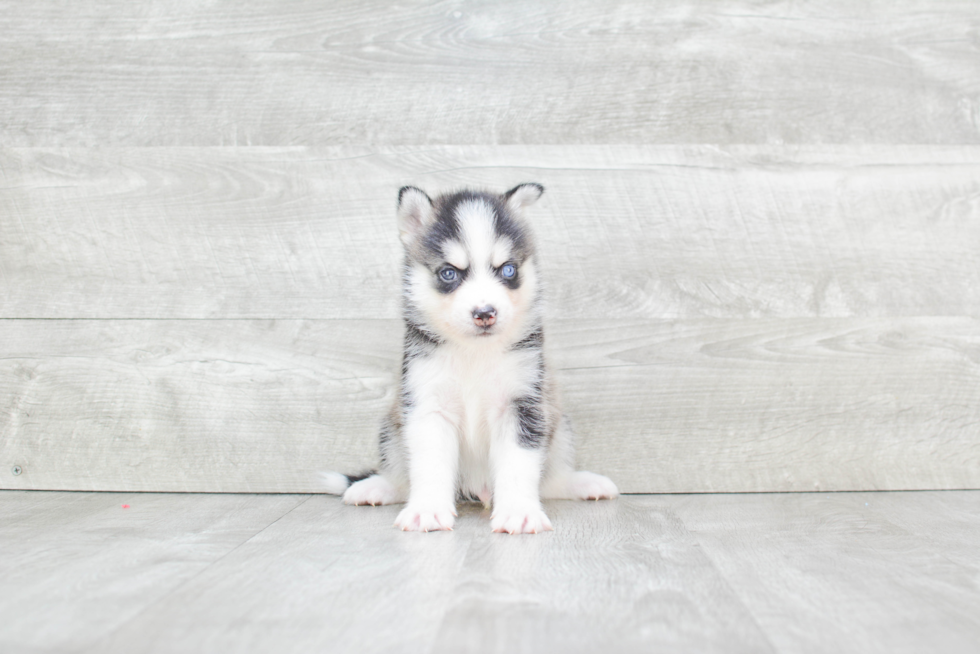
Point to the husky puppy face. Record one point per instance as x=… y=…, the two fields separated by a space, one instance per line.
x=470 y=273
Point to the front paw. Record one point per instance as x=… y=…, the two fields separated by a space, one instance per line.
x=425 y=518
x=520 y=520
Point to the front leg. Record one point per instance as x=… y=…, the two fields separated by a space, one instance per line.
x=516 y=463
x=433 y=457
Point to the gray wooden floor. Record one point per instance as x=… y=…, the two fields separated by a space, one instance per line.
x=829 y=572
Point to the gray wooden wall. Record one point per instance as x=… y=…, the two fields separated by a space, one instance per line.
x=761 y=232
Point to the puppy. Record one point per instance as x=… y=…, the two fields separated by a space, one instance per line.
x=476 y=415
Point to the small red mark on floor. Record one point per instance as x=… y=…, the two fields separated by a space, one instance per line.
x=125 y=506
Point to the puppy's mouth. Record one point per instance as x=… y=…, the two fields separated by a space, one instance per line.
x=483 y=332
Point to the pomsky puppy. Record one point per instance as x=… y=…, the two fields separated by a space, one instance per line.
x=476 y=415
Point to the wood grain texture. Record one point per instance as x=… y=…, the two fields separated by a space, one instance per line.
x=849 y=572
x=193 y=406
x=655 y=589
x=198 y=259
x=685 y=406
x=329 y=576
x=831 y=573
x=173 y=72
x=323 y=578
x=76 y=567
x=792 y=405
x=626 y=232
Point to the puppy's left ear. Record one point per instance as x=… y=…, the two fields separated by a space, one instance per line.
x=523 y=195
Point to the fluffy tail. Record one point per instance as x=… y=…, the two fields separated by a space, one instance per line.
x=335 y=483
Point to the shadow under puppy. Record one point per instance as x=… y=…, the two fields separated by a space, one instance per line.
x=476 y=415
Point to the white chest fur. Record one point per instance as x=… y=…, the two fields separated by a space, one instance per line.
x=473 y=389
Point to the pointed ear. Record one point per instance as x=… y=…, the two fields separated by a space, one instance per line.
x=415 y=213
x=521 y=196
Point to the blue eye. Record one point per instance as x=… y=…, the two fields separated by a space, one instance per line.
x=508 y=271
x=447 y=274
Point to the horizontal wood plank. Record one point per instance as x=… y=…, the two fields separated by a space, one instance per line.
x=626 y=232
x=266 y=73
x=861 y=572
x=685 y=406
x=77 y=567
x=339 y=578
x=848 y=573
x=540 y=596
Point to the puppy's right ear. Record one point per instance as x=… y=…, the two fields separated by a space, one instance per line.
x=415 y=213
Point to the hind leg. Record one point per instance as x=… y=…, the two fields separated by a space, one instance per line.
x=562 y=482
x=374 y=490
x=578 y=485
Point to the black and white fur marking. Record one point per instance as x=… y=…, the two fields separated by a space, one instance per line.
x=476 y=415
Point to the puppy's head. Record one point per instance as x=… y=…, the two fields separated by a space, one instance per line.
x=470 y=270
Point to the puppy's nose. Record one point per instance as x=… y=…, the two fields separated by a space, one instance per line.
x=484 y=316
